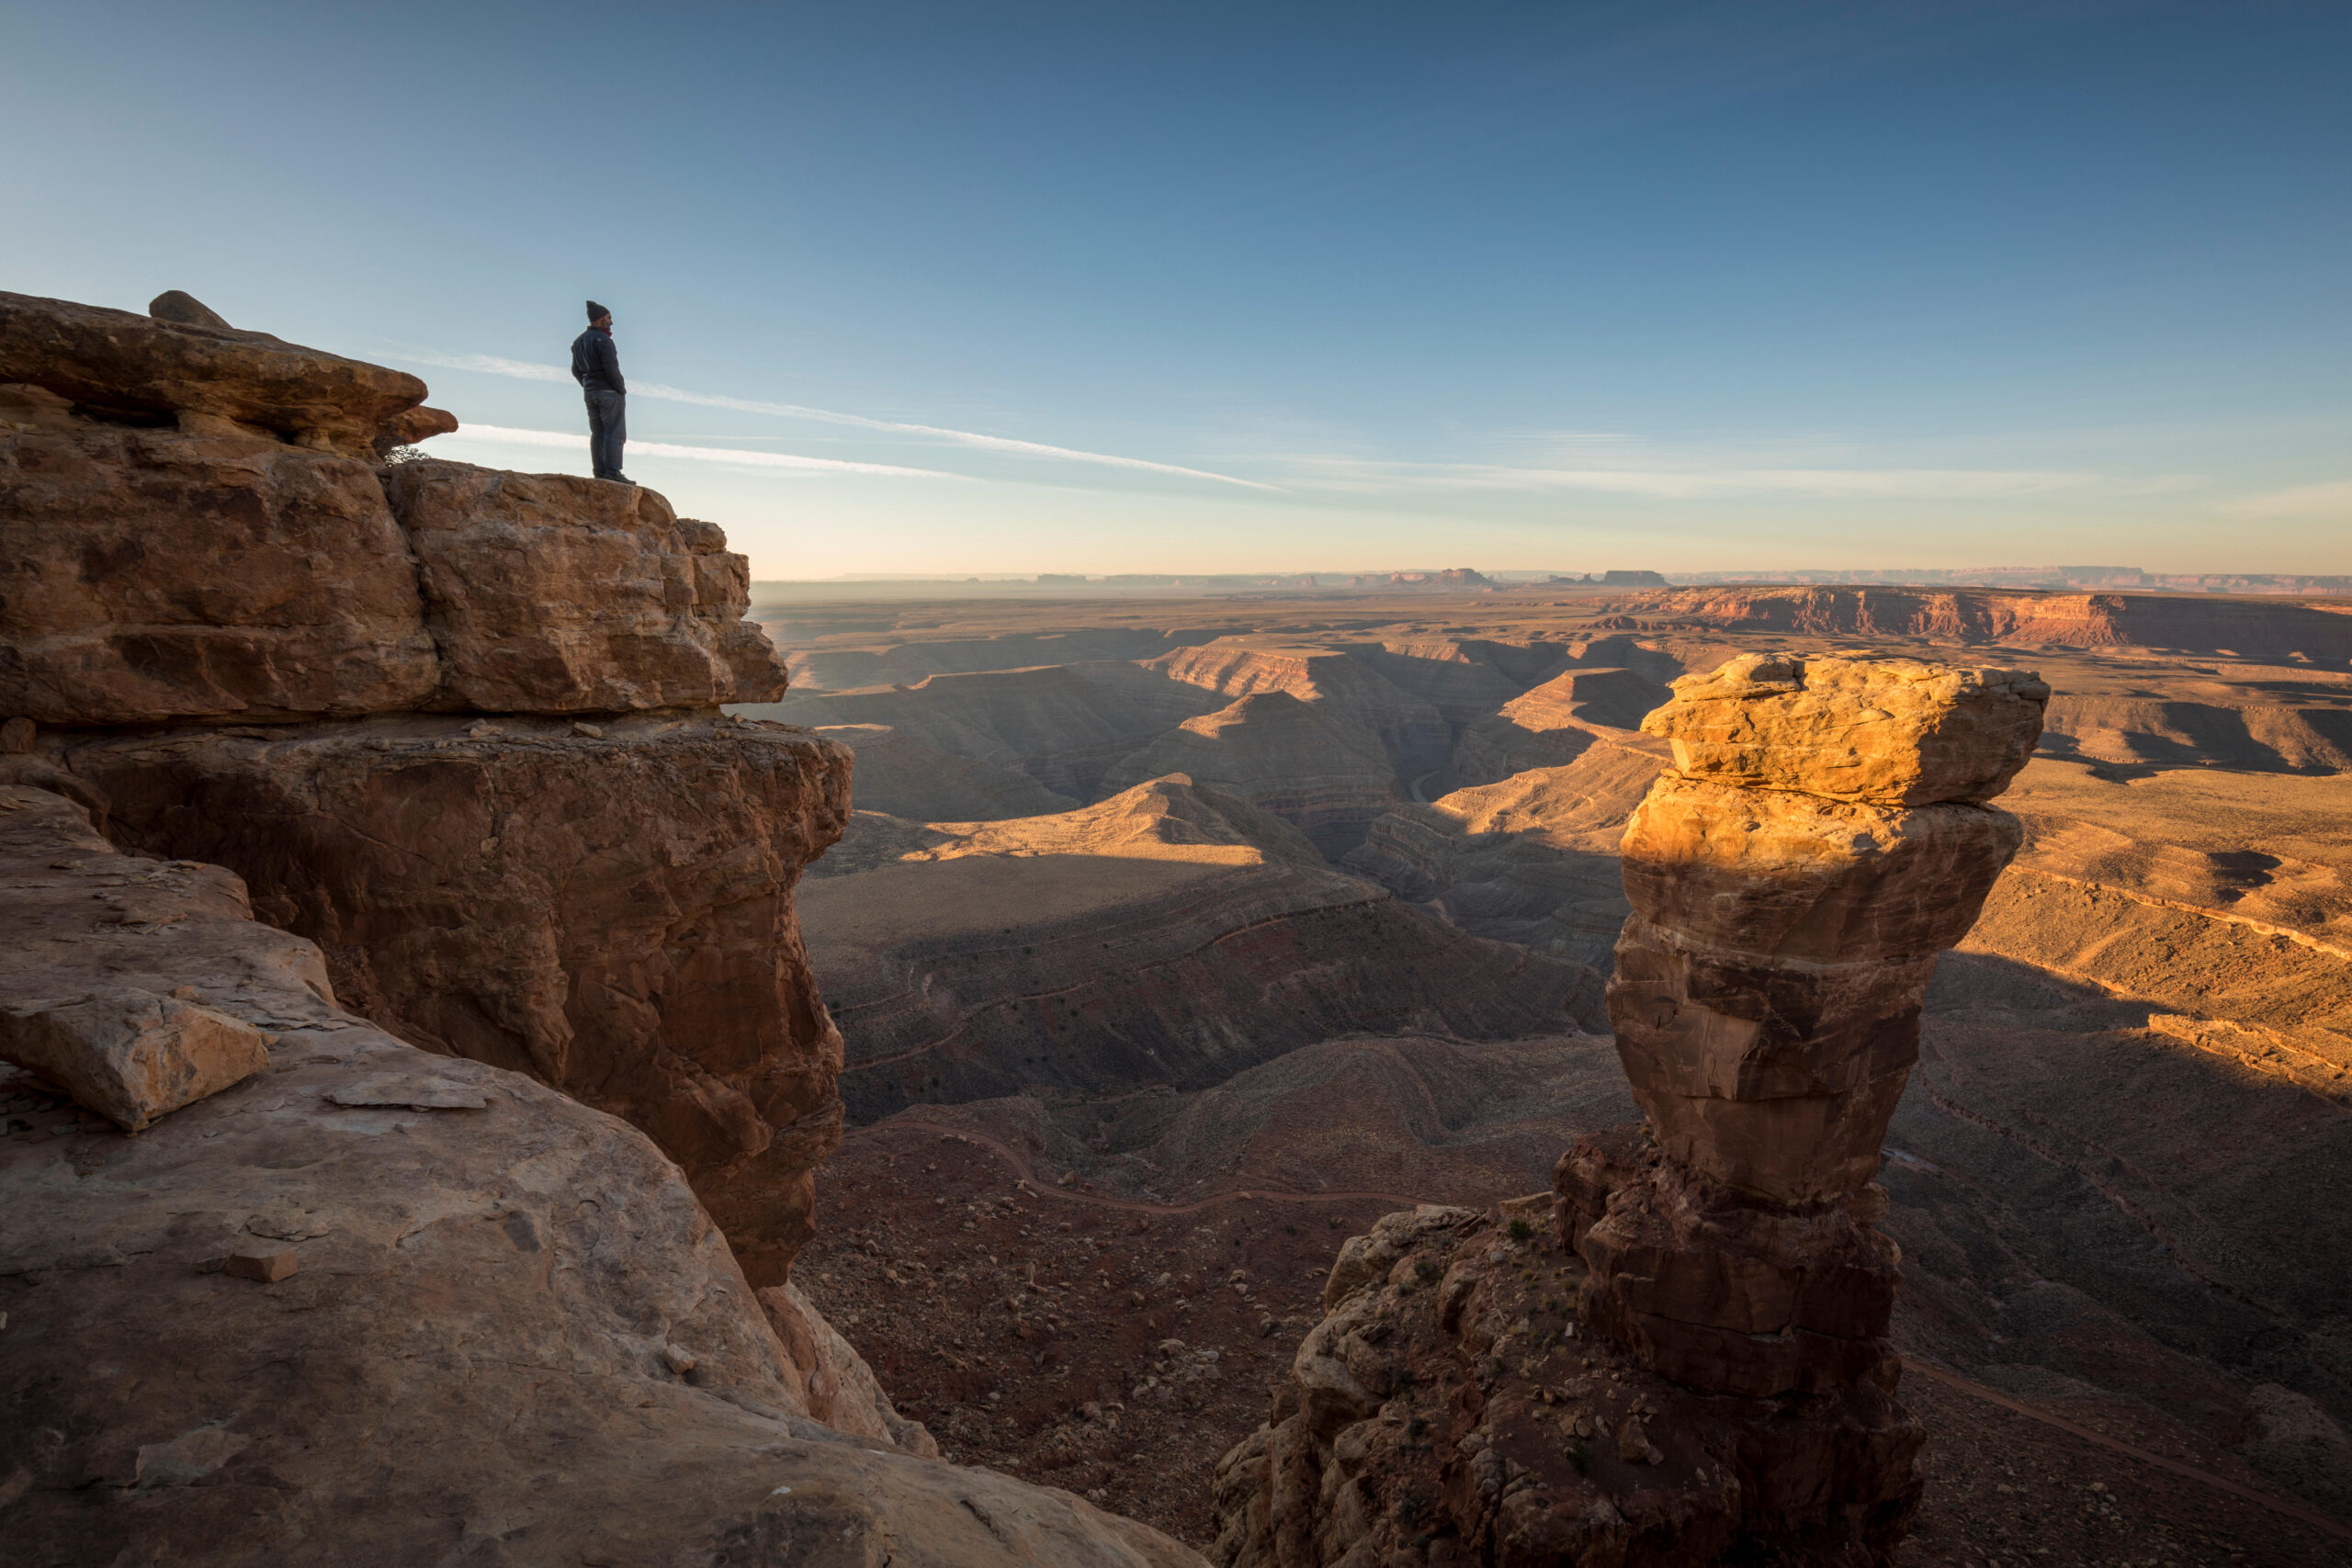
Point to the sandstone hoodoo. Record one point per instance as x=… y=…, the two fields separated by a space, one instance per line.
x=1821 y=841
x=1689 y=1362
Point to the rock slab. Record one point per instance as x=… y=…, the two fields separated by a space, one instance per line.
x=129 y=1055
x=551 y=594
x=121 y=364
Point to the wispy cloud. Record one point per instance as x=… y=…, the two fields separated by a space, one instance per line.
x=1666 y=482
x=523 y=370
x=2332 y=500
x=510 y=436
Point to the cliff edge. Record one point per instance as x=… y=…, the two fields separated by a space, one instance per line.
x=282 y=1281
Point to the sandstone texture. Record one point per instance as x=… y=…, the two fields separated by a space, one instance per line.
x=204 y=572
x=129 y=1055
x=277 y=1328
x=551 y=594
x=1898 y=731
x=611 y=914
x=1770 y=981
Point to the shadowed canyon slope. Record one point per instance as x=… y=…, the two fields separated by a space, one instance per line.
x=2130 y=1070
x=1170 y=935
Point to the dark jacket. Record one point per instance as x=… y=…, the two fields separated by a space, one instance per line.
x=595 y=362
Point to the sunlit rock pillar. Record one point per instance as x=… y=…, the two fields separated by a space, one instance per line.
x=1824 y=834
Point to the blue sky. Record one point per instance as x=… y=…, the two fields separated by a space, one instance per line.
x=1094 y=288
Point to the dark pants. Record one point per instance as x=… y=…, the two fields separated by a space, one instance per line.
x=607 y=428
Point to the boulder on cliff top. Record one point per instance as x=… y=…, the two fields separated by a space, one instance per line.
x=554 y=594
x=1899 y=731
x=121 y=364
x=129 y=1055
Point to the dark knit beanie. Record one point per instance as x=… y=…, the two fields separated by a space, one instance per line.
x=597 y=312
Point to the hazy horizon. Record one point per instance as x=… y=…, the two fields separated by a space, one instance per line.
x=1682 y=290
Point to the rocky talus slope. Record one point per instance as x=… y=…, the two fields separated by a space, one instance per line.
x=456 y=734
x=1695 y=1366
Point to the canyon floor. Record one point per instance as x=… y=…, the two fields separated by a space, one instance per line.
x=1150 y=905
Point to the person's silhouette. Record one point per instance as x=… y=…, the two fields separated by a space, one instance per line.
x=596 y=365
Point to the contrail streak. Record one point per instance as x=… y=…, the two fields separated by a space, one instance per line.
x=524 y=370
x=513 y=436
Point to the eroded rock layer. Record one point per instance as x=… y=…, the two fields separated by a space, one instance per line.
x=1689 y=1362
x=1820 y=841
x=612 y=914
x=1792 y=880
x=197 y=534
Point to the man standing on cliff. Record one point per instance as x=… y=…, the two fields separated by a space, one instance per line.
x=596 y=365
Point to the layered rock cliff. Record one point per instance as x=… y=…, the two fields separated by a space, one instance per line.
x=1684 y=1358
x=249 y=643
x=2250 y=629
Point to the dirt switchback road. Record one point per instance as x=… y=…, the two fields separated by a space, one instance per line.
x=1025 y=1177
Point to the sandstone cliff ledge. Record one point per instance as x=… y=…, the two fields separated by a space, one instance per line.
x=341 y=1300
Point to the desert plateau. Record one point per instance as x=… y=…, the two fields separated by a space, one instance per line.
x=1546 y=1074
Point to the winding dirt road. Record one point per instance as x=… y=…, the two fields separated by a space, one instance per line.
x=1026 y=1178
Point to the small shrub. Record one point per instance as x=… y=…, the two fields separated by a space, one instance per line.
x=1520 y=1230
